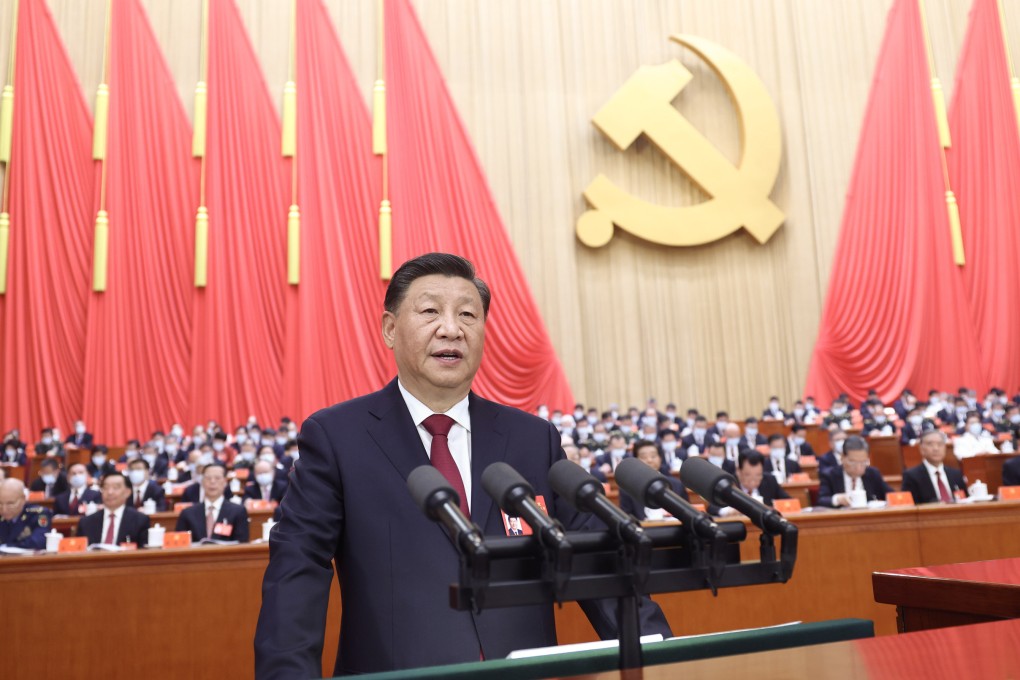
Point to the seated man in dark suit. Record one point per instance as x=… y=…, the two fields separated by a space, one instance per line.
x=1011 y=472
x=752 y=439
x=265 y=485
x=913 y=427
x=699 y=437
x=797 y=444
x=159 y=463
x=51 y=480
x=73 y=501
x=100 y=465
x=143 y=488
x=774 y=411
x=931 y=481
x=12 y=454
x=780 y=464
x=648 y=453
x=716 y=455
x=616 y=452
x=80 y=439
x=115 y=523
x=833 y=458
x=753 y=481
x=215 y=518
x=854 y=473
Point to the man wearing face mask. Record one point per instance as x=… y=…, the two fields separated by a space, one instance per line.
x=839 y=414
x=913 y=428
x=716 y=455
x=51 y=480
x=833 y=458
x=780 y=463
x=773 y=411
x=976 y=439
x=878 y=423
x=699 y=438
x=265 y=486
x=221 y=452
x=143 y=488
x=903 y=405
x=48 y=445
x=158 y=462
x=100 y=465
x=734 y=442
x=672 y=455
x=246 y=458
x=73 y=501
x=173 y=452
x=12 y=455
x=797 y=444
x=80 y=439
x=132 y=450
x=752 y=439
x=997 y=418
x=722 y=421
x=608 y=461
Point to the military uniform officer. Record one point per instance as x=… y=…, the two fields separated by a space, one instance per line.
x=21 y=525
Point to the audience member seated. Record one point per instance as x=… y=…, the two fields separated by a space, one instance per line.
x=871 y=406
x=722 y=421
x=780 y=464
x=116 y=523
x=14 y=438
x=608 y=461
x=132 y=451
x=221 y=452
x=245 y=459
x=81 y=439
x=773 y=412
x=216 y=517
x=22 y=525
x=975 y=440
x=158 y=462
x=1011 y=472
x=716 y=455
x=1012 y=420
x=877 y=423
x=73 y=501
x=997 y=418
x=672 y=456
x=734 y=442
x=290 y=455
x=853 y=474
x=694 y=444
x=932 y=481
x=905 y=404
x=839 y=414
x=12 y=455
x=754 y=482
x=649 y=454
x=143 y=488
x=751 y=438
x=833 y=458
x=49 y=444
x=797 y=444
x=265 y=485
x=100 y=465
x=51 y=480
x=913 y=427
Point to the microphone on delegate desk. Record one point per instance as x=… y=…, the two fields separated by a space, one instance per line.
x=653 y=489
x=440 y=503
x=515 y=496
x=585 y=493
x=720 y=488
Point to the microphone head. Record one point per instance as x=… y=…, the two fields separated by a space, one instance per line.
x=635 y=477
x=428 y=487
x=499 y=480
x=704 y=478
x=568 y=479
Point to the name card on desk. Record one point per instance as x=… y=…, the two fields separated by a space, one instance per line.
x=36 y=496
x=808 y=460
x=242 y=473
x=177 y=539
x=787 y=506
x=1009 y=493
x=262 y=504
x=700 y=507
x=798 y=478
x=179 y=507
x=76 y=544
x=899 y=499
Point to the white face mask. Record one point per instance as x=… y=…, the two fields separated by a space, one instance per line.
x=592 y=419
x=136 y=476
x=171 y=449
x=880 y=419
x=248 y=456
x=915 y=420
x=47 y=440
x=699 y=432
x=217 y=445
x=798 y=412
x=838 y=410
x=268 y=459
x=80 y=429
x=11 y=453
x=205 y=459
x=280 y=441
x=774 y=405
x=998 y=414
x=799 y=441
x=583 y=431
x=294 y=456
x=599 y=437
x=752 y=432
x=241 y=438
x=837 y=446
x=150 y=459
x=543 y=413
x=617 y=453
x=669 y=447
x=77 y=481
x=578 y=415
x=49 y=479
x=556 y=420
x=778 y=453
x=98 y=461
x=1015 y=418
x=131 y=454
x=975 y=429
x=264 y=479
x=649 y=436
x=625 y=429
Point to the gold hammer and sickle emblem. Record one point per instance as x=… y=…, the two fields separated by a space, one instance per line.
x=739 y=195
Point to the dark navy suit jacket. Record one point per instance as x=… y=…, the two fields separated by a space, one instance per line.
x=918 y=483
x=1011 y=472
x=348 y=499
x=831 y=483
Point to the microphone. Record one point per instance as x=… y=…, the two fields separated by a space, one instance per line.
x=719 y=488
x=584 y=492
x=653 y=489
x=515 y=496
x=440 y=503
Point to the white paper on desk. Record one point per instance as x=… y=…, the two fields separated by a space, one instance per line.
x=738 y=630
x=109 y=547
x=12 y=550
x=216 y=541
x=578 y=647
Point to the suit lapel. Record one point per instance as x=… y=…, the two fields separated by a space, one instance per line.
x=394 y=431
x=488 y=445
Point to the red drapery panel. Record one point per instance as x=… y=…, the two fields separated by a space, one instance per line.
x=441 y=201
x=334 y=346
x=42 y=316
x=138 y=349
x=895 y=313
x=984 y=163
x=237 y=359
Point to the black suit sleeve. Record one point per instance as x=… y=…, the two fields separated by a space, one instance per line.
x=910 y=484
x=295 y=589
x=1011 y=472
x=826 y=489
x=240 y=523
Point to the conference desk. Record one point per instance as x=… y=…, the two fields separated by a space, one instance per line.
x=192 y=612
x=951 y=594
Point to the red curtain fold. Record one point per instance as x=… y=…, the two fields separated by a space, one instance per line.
x=43 y=314
x=441 y=201
x=238 y=336
x=334 y=348
x=138 y=349
x=896 y=313
x=984 y=164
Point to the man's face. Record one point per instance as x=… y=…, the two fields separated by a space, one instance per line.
x=933 y=448
x=115 y=492
x=573 y=455
x=650 y=457
x=12 y=500
x=437 y=337
x=750 y=476
x=515 y=523
x=855 y=462
x=213 y=482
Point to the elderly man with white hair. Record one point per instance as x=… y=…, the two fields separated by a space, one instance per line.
x=21 y=525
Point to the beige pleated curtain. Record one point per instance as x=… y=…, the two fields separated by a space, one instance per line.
x=721 y=326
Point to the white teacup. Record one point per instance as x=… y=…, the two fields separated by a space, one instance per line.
x=156 y=535
x=858 y=498
x=979 y=489
x=53 y=541
x=149 y=507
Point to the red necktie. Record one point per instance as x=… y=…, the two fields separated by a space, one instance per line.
x=110 y=538
x=943 y=491
x=74 y=503
x=138 y=498
x=210 y=520
x=438 y=426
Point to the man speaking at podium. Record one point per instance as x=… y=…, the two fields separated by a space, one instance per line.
x=348 y=500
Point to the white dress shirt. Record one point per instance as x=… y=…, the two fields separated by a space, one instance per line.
x=941 y=471
x=118 y=515
x=967 y=445
x=459 y=437
x=217 y=506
